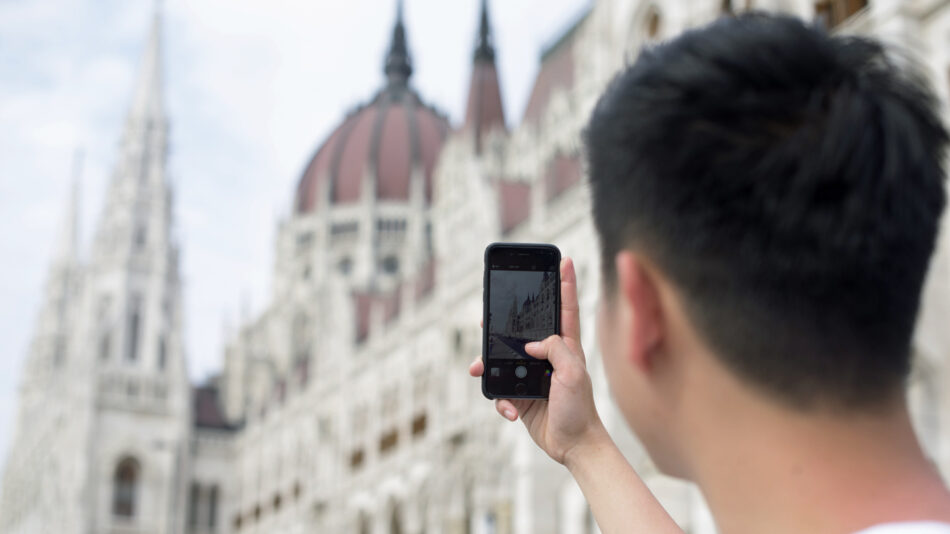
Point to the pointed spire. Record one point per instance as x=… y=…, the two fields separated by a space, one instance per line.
x=484 y=49
x=140 y=167
x=484 y=110
x=147 y=98
x=398 y=66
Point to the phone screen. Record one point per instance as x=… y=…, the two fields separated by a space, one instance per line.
x=522 y=304
x=521 y=309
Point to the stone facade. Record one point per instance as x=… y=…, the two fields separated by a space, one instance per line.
x=345 y=405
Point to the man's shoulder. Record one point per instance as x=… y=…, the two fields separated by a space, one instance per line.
x=913 y=527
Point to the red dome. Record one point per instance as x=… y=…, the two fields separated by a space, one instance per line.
x=387 y=138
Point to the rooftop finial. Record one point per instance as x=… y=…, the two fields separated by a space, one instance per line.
x=398 y=63
x=484 y=49
x=147 y=97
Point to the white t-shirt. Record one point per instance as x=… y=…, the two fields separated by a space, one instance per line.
x=916 y=527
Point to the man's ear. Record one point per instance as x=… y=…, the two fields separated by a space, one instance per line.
x=637 y=288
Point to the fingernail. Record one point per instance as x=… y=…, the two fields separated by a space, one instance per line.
x=510 y=415
x=531 y=346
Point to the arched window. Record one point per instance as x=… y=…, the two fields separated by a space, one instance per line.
x=125 y=487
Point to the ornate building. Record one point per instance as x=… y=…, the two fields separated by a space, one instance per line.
x=345 y=406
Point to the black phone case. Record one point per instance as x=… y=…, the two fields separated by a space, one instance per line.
x=485 y=296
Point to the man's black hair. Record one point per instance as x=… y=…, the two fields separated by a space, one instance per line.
x=789 y=183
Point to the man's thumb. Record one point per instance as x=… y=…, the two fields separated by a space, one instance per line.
x=552 y=349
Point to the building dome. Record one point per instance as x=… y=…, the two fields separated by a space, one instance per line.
x=380 y=145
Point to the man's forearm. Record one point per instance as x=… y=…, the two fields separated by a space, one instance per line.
x=619 y=499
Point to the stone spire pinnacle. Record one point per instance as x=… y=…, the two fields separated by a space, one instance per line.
x=484 y=111
x=398 y=66
x=147 y=97
x=484 y=48
x=139 y=173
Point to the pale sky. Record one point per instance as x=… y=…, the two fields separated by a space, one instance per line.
x=252 y=88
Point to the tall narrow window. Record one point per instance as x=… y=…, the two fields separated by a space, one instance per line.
x=124 y=488
x=395 y=520
x=653 y=24
x=105 y=334
x=364 y=523
x=468 y=509
x=300 y=336
x=105 y=345
x=194 y=494
x=146 y=160
x=140 y=237
x=59 y=351
x=135 y=319
x=213 y=506
x=162 y=353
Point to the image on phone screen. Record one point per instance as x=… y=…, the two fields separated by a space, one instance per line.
x=522 y=309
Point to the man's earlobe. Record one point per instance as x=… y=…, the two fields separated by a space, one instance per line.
x=638 y=293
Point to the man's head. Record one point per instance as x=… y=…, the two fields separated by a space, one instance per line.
x=785 y=186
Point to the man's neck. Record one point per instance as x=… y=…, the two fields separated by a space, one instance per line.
x=766 y=469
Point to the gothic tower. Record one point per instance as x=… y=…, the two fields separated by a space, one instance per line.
x=141 y=420
x=43 y=480
x=104 y=413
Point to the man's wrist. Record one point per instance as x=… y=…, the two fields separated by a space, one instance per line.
x=595 y=442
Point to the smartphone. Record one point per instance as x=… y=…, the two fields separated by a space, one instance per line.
x=522 y=303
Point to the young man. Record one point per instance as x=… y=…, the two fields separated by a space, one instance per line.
x=767 y=199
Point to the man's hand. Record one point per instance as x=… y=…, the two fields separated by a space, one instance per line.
x=567 y=421
x=567 y=427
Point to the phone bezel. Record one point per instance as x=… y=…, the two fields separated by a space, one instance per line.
x=486 y=295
